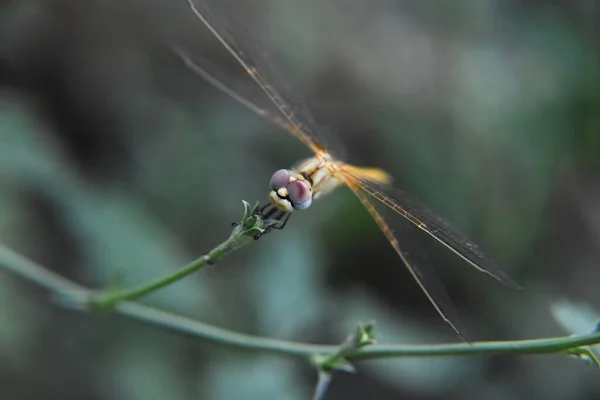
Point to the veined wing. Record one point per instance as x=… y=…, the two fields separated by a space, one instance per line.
x=427 y=220
x=300 y=122
x=219 y=85
x=429 y=283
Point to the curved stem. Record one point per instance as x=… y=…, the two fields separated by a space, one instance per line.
x=78 y=295
x=110 y=299
x=251 y=226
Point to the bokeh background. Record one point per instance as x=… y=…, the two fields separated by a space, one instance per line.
x=118 y=164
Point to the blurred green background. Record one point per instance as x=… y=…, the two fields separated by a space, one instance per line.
x=118 y=164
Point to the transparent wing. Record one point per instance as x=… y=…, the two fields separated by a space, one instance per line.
x=299 y=120
x=219 y=85
x=427 y=220
x=429 y=283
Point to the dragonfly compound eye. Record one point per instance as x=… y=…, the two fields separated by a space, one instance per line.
x=299 y=194
x=280 y=179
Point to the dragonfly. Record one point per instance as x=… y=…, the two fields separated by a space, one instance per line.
x=294 y=189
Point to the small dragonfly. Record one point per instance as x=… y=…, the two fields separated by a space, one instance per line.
x=296 y=188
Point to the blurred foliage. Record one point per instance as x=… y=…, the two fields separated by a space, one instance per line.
x=117 y=164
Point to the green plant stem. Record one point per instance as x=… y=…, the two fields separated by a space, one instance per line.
x=111 y=299
x=77 y=296
x=243 y=233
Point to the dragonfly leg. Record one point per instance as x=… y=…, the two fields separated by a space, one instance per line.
x=281 y=221
x=264 y=212
x=273 y=219
x=263 y=208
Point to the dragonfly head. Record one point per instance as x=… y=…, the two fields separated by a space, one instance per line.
x=290 y=191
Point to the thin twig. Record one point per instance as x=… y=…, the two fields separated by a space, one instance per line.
x=246 y=231
x=78 y=297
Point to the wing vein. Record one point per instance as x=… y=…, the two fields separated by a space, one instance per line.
x=444 y=308
x=428 y=221
x=296 y=128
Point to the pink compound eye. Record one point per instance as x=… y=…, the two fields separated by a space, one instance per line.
x=299 y=194
x=280 y=179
